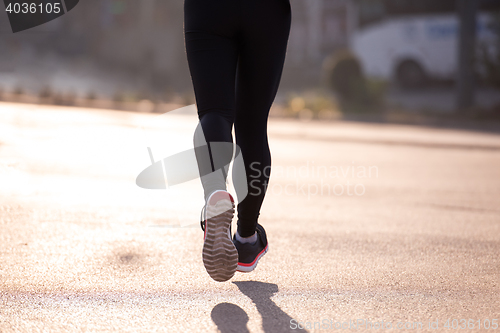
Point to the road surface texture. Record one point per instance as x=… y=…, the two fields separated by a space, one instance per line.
x=383 y=226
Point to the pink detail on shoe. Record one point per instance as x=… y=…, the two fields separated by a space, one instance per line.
x=220 y=195
x=256 y=258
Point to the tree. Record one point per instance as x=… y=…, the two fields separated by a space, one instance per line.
x=467 y=10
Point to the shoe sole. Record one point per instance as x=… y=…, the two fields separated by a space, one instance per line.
x=220 y=256
x=247 y=268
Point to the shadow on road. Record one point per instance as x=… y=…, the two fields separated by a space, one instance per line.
x=231 y=318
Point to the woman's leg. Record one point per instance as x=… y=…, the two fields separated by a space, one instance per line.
x=265 y=30
x=212 y=53
x=238 y=43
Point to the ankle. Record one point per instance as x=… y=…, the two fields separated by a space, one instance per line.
x=252 y=239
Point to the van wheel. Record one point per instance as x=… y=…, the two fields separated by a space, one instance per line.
x=411 y=75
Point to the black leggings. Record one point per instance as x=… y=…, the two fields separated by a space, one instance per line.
x=235 y=51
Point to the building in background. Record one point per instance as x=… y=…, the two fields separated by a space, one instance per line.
x=149 y=34
x=145 y=38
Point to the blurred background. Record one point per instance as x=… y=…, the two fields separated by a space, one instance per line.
x=396 y=60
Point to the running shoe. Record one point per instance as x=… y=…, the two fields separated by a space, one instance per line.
x=249 y=254
x=220 y=256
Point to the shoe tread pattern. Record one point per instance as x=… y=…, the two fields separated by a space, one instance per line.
x=220 y=256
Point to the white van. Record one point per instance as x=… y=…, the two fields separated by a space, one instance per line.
x=412 y=48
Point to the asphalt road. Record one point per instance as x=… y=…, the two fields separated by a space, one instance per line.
x=367 y=223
